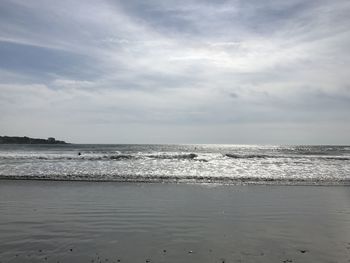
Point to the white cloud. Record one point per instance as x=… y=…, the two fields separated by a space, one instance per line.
x=234 y=63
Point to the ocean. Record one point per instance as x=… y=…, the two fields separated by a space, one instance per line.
x=174 y=203
x=224 y=164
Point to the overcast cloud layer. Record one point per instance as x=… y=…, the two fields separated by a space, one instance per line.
x=176 y=71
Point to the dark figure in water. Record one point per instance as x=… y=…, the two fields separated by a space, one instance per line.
x=79 y=153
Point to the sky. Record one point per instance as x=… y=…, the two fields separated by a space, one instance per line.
x=186 y=71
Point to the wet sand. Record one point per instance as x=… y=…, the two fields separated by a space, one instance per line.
x=44 y=221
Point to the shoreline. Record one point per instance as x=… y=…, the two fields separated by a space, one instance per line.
x=185 y=180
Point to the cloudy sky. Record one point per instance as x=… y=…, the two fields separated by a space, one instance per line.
x=187 y=71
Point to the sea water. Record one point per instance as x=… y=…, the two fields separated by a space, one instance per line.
x=178 y=163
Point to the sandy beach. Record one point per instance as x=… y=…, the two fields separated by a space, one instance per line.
x=129 y=222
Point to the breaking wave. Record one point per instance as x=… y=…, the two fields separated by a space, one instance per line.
x=96 y=156
x=261 y=156
x=160 y=156
x=320 y=165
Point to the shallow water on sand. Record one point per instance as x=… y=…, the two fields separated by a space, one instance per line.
x=121 y=222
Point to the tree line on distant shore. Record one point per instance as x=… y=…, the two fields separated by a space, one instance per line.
x=27 y=140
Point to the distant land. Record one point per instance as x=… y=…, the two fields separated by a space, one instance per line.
x=27 y=140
